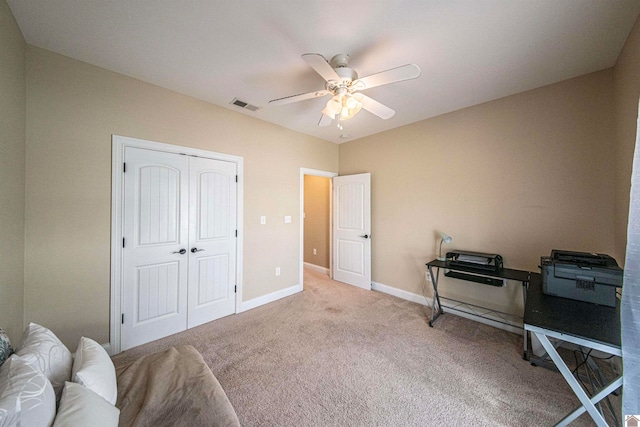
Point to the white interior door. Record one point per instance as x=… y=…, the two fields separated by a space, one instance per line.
x=352 y=229
x=212 y=240
x=155 y=257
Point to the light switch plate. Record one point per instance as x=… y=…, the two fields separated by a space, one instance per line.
x=287 y=219
x=263 y=220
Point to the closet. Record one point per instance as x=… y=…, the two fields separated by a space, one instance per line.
x=178 y=256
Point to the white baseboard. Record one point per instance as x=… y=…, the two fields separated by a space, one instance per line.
x=317 y=268
x=406 y=295
x=459 y=311
x=273 y=296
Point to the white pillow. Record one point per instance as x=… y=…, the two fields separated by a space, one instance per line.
x=26 y=395
x=93 y=369
x=80 y=407
x=42 y=348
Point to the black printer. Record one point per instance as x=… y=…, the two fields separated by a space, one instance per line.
x=581 y=276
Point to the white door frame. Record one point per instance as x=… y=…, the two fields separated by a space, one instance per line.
x=326 y=174
x=118 y=144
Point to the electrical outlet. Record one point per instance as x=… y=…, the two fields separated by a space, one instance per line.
x=263 y=220
x=277 y=271
x=427 y=276
x=315 y=252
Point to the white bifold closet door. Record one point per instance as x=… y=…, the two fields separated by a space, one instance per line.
x=179 y=252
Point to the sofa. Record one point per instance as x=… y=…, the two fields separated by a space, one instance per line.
x=43 y=384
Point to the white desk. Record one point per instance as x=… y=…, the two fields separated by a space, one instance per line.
x=584 y=324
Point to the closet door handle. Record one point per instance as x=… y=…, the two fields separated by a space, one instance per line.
x=194 y=250
x=181 y=251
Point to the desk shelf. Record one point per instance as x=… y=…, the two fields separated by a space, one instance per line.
x=493 y=278
x=483 y=313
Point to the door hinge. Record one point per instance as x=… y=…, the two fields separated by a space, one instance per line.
x=123 y=318
x=235 y=289
x=124 y=168
x=123 y=242
x=236 y=233
x=236 y=178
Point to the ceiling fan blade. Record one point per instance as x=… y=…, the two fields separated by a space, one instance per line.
x=321 y=66
x=325 y=120
x=374 y=107
x=406 y=72
x=299 y=97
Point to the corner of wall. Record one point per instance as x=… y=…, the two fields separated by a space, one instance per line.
x=12 y=172
x=626 y=82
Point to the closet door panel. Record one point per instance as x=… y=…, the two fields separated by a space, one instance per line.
x=155 y=223
x=212 y=229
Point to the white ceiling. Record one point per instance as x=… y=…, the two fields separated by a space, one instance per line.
x=470 y=51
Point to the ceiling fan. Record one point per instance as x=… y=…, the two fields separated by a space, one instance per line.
x=344 y=85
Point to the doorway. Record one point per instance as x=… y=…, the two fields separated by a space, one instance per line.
x=317 y=224
x=349 y=227
x=315 y=220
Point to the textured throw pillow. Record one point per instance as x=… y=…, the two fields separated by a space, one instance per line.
x=41 y=347
x=26 y=395
x=5 y=346
x=93 y=369
x=80 y=406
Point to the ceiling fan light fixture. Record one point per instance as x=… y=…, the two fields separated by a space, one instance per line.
x=351 y=105
x=328 y=113
x=334 y=106
x=351 y=102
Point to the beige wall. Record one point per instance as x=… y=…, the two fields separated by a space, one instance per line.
x=627 y=93
x=12 y=139
x=518 y=176
x=316 y=223
x=73 y=109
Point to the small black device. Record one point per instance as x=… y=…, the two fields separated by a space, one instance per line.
x=475 y=260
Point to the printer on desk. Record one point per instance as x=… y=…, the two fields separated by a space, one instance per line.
x=581 y=276
x=475 y=260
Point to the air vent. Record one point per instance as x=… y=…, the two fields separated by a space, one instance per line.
x=245 y=105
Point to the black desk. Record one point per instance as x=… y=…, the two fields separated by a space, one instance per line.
x=599 y=323
x=483 y=277
x=581 y=323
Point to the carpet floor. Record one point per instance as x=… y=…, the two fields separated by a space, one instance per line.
x=336 y=355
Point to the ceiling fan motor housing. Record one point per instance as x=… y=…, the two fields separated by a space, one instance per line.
x=347 y=76
x=340 y=60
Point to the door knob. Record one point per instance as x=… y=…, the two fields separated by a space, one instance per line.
x=181 y=251
x=194 y=250
x=366 y=236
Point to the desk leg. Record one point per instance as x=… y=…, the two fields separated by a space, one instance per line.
x=436 y=296
x=595 y=399
x=587 y=404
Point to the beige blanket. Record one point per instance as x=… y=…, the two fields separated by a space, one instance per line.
x=172 y=388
